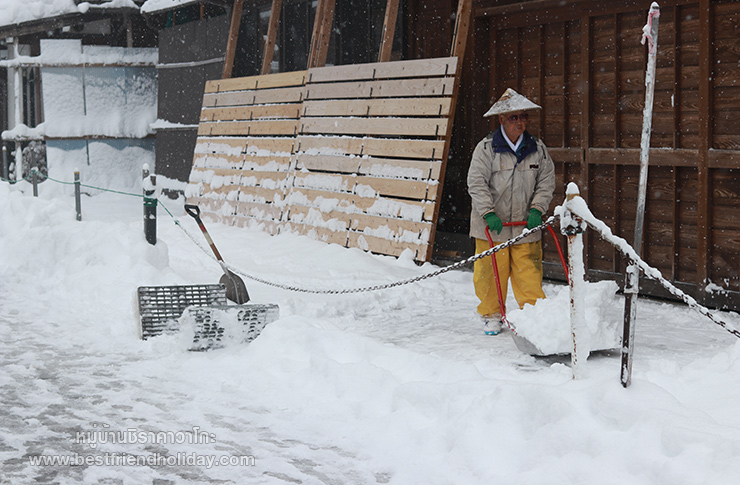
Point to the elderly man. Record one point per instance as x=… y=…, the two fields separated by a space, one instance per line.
x=511 y=178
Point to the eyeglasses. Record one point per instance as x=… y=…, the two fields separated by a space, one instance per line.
x=514 y=118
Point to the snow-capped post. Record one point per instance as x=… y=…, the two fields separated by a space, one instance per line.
x=631 y=280
x=150 y=205
x=78 y=203
x=6 y=172
x=573 y=227
x=35 y=181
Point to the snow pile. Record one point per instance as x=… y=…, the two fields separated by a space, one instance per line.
x=547 y=323
x=19 y=11
x=397 y=386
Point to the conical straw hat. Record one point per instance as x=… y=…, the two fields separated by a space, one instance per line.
x=509 y=102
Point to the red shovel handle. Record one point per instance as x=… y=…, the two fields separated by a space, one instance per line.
x=501 y=303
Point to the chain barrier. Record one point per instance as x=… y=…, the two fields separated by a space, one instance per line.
x=651 y=272
x=394 y=284
x=616 y=241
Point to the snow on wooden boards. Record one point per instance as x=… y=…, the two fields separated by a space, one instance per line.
x=246 y=139
x=371 y=143
x=352 y=155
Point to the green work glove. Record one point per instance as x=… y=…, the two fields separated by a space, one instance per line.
x=534 y=219
x=494 y=223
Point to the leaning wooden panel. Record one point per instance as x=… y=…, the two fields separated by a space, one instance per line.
x=295 y=78
x=270 y=111
x=409 y=88
x=446 y=66
x=436 y=106
x=418 y=127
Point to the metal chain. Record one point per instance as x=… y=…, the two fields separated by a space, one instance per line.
x=345 y=291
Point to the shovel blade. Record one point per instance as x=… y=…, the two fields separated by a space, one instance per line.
x=236 y=290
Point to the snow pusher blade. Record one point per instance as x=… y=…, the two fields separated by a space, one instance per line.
x=204 y=310
x=522 y=343
x=216 y=326
x=160 y=307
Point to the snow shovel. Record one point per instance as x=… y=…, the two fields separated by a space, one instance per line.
x=522 y=343
x=236 y=290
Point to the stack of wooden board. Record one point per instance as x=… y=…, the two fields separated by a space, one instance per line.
x=352 y=155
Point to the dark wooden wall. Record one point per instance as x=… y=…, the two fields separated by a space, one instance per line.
x=584 y=63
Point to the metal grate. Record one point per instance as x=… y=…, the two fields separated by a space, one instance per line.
x=215 y=325
x=161 y=306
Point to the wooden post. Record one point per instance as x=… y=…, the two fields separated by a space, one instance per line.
x=631 y=280
x=236 y=19
x=389 y=30
x=704 y=196
x=462 y=27
x=272 y=28
x=321 y=33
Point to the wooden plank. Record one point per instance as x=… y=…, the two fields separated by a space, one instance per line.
x=419 y=231
x=373 y=126
x=278 y=80
x=325 y=181
x=411 y=189
x=420 y=149
x=272 y=111
x=218 y=161
x=258 y=194
x=336 y=221
x=424 y=149
x=245 y=98
x=321 y=33
x=316 y=233
x=462 y=28
x=320 y=198
x=388 y=32
x=704 y=242
x=409 y=210
x=272 y=29
x=631 y=156
x=381 y=89
x=267 y=146
x=267 y=212
x=248 y=128
x=236 y=18
x=436 y=67
x=327 y=163
x=378 y=107
x=224 y=146
x=724 y=159
x=390 y=167
x=383 y=246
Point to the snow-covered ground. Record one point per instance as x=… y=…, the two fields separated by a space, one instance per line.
x=396 y=386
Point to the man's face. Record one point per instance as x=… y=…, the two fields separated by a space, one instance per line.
x=514 y=124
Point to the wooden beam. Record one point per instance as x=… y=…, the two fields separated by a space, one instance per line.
x=321 y=33
x=462 y=27
x=272 y=28
x=703 y=243
x=389 y=30
x=236 y=19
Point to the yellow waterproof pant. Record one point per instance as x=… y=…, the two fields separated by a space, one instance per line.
x=521 y=262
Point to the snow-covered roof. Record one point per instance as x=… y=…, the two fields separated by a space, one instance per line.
x=14 y=12
x=154 y=6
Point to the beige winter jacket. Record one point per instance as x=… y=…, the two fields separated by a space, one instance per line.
x=497 y=183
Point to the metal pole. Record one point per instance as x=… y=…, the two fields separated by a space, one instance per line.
x=576 y=278
x=78 y=203
x=6 y=174
x=35 y=182
x=631 y=286
x=150 y=205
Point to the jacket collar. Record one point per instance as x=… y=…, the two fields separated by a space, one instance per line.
x=499 y=145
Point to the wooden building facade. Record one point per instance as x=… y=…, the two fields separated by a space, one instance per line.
x=584 y=63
